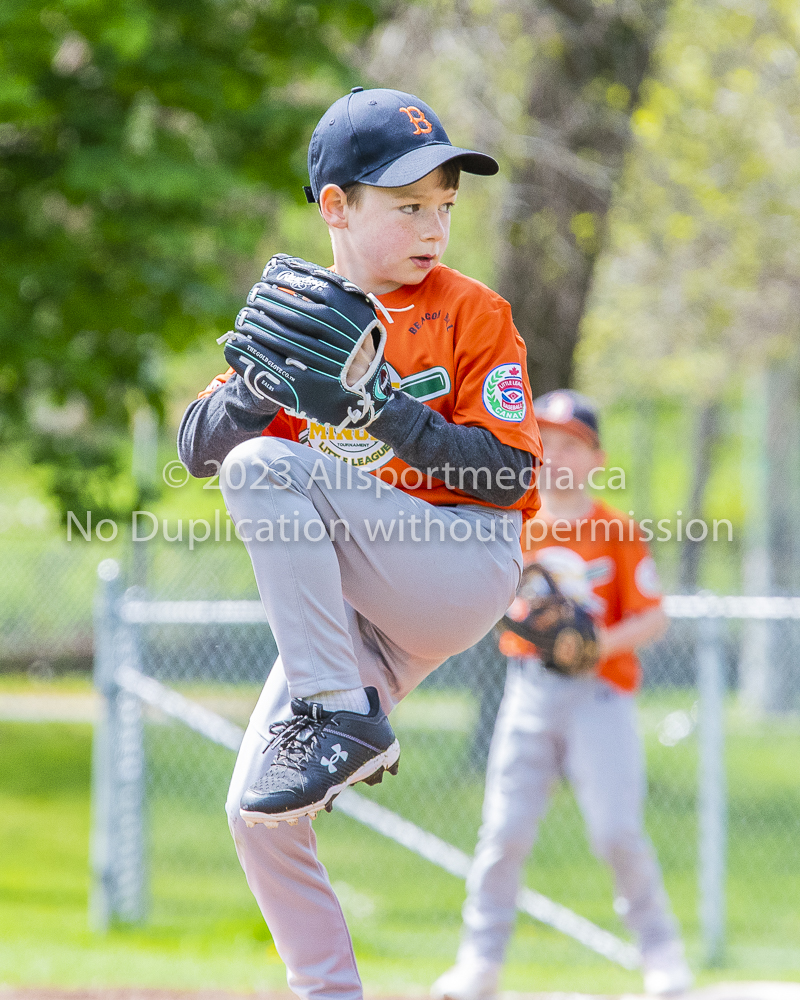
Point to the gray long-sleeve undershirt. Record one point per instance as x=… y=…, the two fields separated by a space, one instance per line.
x=214 y=425
x=468 y=459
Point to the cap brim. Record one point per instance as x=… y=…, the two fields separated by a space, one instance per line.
x=575 y=427
x=416 y=164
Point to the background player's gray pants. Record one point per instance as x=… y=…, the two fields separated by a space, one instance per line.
x=346 y=613
x=548 y=727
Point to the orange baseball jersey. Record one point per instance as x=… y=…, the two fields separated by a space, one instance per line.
x=602 y=562
x=452 y=345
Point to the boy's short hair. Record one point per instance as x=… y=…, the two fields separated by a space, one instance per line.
x=450 y=178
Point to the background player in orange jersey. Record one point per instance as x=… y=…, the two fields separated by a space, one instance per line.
x=369 y=582
x=583 y=728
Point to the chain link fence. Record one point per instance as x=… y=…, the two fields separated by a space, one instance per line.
x=48 y=582
x=46 y=589
x=180 y=678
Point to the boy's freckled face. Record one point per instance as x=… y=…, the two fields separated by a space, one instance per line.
x=400 y=234
x=566 y=451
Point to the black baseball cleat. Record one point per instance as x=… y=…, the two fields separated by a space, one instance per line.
x=317 y=754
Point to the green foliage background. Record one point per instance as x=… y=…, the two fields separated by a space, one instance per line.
x=144 y=148
x=700 y=276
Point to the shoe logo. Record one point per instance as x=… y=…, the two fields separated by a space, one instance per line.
x=418 y=120
x=337 y=755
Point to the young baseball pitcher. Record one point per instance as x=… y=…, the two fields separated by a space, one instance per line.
x=582 y=726
x=376 y=444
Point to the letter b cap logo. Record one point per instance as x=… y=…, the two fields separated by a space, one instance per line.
x=417 y=118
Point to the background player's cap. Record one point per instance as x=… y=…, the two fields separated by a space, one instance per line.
x=569 y=411
x=383 y=138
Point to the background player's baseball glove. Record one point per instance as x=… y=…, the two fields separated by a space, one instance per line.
x=561 y=630
x=298 y=337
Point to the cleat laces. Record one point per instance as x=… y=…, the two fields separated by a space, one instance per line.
x=296 y=740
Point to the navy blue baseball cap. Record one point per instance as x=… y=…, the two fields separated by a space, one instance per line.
x=383 y=138
x=569 y=411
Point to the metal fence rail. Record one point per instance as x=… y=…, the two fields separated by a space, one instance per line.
x=180 y=676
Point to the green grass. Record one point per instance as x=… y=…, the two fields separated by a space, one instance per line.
x=74 y=683
x=214 y=936
x=205 y=930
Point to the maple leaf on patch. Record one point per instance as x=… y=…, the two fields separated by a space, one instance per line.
x=513 y=371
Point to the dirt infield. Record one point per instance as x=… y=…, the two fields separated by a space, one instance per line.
x=721 y=991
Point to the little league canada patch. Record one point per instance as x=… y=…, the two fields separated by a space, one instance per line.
x=503 y=393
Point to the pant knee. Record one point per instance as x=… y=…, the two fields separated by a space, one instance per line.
x=232 y=811
x=513 y=840
x=615 y=847
x=256 y=469
x=239 y=831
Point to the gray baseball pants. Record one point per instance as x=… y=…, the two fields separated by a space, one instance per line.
x=548 y=727
x=347 y=608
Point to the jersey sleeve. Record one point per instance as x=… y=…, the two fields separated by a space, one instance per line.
x=637 y=579
x=491 y=378
x=513 y=645
x=285 y=426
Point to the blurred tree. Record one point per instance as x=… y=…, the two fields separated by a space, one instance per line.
x=706 y=434
x=700 y=278
x=699 y=285
x=581 y=91
x=139 y=146
x=548 y=86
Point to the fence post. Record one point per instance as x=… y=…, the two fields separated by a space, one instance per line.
x=129 y=792
x=712 y=797
x=117 y=838
x=101 y=898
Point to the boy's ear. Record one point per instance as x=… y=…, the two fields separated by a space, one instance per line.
x=333 y=206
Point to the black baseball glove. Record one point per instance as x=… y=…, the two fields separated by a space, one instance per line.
x=297 y=338
x=561 y=630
